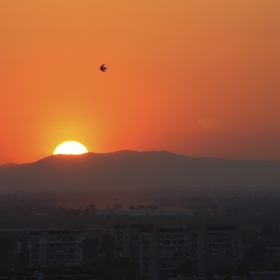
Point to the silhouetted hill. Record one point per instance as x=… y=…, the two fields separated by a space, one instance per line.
x=130 y=170
x=7 y=164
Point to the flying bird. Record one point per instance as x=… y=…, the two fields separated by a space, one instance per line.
x=103 y=68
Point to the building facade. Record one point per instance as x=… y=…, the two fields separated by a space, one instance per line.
x=55 y=248
x=163 y=251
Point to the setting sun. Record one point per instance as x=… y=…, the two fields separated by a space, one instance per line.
x=70 y=148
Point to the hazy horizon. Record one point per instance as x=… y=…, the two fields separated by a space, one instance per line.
x=130 y=171
x=201 y=157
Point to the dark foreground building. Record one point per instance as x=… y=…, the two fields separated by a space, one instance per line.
x=163 y=251
x=55 y=248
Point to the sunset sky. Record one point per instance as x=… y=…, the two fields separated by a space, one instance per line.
x=197 y=78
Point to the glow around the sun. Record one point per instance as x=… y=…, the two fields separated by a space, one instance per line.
x=70 y=148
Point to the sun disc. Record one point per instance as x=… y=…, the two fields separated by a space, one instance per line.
x=70 y=148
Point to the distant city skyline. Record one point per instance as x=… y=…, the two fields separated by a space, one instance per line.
x=195 y=78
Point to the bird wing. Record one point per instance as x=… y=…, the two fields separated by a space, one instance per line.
x=102 y=68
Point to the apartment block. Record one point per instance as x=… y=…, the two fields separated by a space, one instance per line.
x=55 y=248
x=221 y=246
x=162 y=251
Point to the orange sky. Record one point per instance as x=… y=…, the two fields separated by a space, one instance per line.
x=199 y=78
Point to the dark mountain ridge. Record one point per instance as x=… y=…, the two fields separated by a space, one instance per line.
x=138 y=171
x=7 y=164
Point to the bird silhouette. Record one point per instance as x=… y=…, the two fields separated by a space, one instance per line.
x=103 y=68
